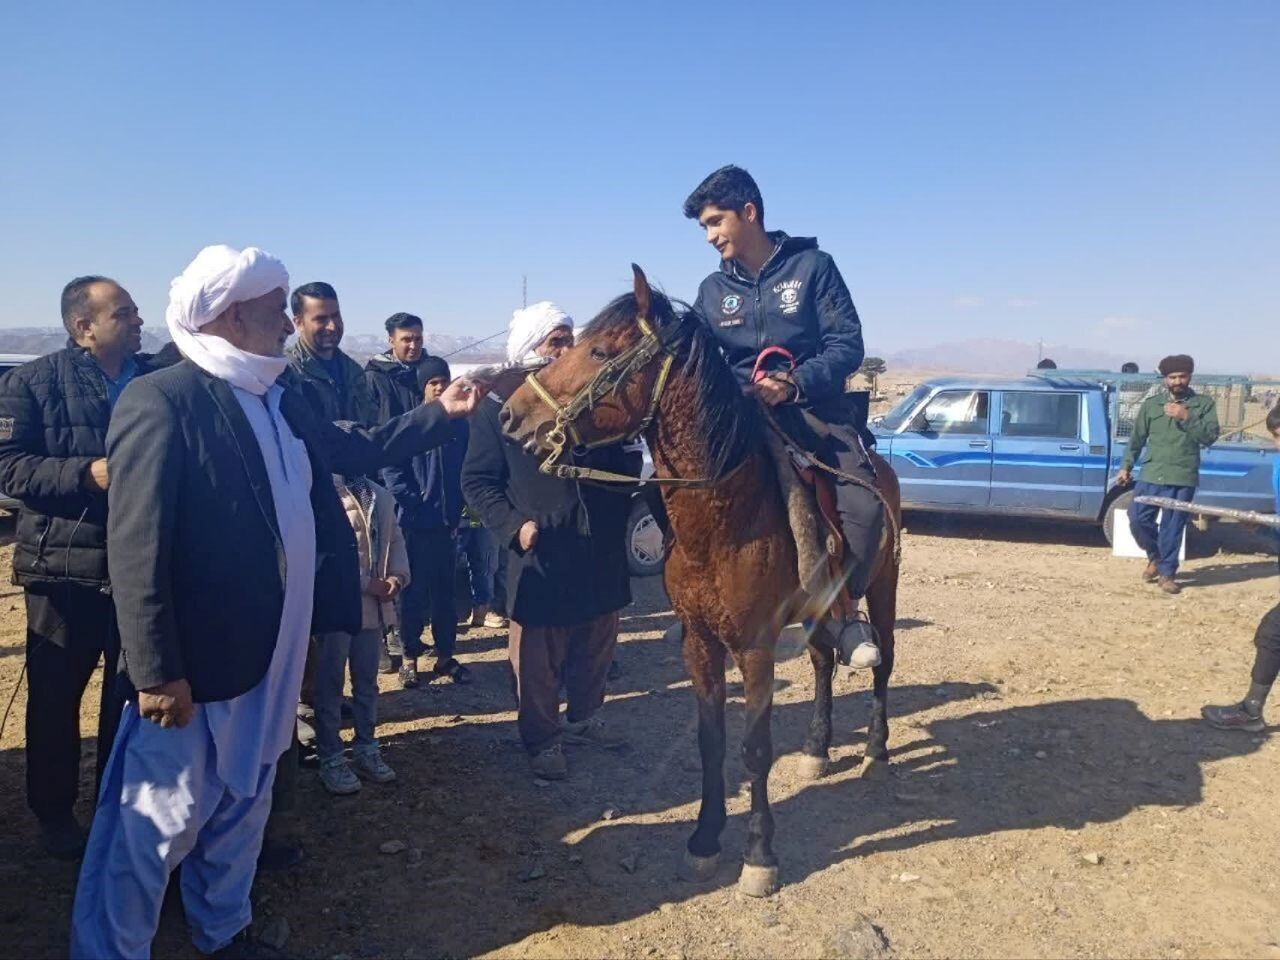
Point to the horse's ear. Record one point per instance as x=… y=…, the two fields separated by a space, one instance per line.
x=643 y=297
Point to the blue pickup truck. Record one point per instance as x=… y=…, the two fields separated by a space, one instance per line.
x=1045 y=446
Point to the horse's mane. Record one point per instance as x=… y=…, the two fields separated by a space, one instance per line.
x=730 y=424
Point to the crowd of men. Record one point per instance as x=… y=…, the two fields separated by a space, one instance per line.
x=233 y=527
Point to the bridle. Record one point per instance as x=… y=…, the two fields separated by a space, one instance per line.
x=608 y=380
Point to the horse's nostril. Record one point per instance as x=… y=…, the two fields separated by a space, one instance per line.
x=579 y=450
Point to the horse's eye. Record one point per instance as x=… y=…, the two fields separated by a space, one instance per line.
x=598 y=354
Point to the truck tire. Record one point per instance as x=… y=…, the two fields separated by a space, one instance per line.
x=644 y=541
x=1117 y=509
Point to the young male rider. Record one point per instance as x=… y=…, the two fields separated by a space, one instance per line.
x=773 y=290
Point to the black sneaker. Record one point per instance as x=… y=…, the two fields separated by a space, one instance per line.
x=280 y=855
x=409 y=675
x=244 y=946
x=1233 y=717
x=63 y=839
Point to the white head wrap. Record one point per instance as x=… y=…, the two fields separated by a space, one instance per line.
x=531 y=325
x=218 y=277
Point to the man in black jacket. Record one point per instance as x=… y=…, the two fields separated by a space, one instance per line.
x=392 y=376
x=772 y=290
x=54 y=413
x=567 y=574
x=228 y=548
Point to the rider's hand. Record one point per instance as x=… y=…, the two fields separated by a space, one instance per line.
x=96 y=478
x=1177 y=411
x=772 y=391
x=461 y=398
x=1124 y=477
x=528 y=536
x=379 y=589
x=168 y=705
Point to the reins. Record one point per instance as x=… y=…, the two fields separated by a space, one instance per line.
x=608 y=380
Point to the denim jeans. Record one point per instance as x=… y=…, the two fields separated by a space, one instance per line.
x=1161 y=540
x=333 y=652
x=477 y=546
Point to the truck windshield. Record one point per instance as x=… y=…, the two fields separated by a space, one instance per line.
x=895 y=418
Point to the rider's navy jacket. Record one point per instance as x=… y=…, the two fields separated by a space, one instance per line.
x=799 y=302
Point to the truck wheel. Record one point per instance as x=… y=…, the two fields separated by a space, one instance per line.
x=1117 y=509
x=644 y=541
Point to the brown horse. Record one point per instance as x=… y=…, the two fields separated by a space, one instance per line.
x=732 y=571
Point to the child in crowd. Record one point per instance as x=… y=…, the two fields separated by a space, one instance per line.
x=428 y=492
x=480 y=555
x=384 y=573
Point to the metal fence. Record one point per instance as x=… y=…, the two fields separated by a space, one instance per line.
x=1243 y=402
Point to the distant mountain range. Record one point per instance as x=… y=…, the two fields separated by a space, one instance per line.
x=359 y=346
x=998 y=356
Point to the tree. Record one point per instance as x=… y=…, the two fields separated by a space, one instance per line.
x=872 y=368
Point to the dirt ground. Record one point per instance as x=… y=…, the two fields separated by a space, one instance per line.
x=1053 y=792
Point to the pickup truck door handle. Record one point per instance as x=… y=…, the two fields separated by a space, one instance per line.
x=980 y=444
x=1068 y=446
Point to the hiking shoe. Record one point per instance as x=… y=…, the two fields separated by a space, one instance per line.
x=1152 y=573
x=549 y=764
x=280 y=855
x=1170 y=586
x=592 y=733
x=63 y=839
x=495 y=621
x=245 y=946
x=409 y=675
x=338 y=777
x=857 y=645
x=369 y=765
x=1233 y=716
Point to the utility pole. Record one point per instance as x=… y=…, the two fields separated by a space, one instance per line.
x=524 y=290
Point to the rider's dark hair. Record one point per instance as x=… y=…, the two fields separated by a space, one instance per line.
x=75 y=298
x=1273 y=419
x=402 y=321
x=729 y=188
x=317 y=290
x=1129 y=367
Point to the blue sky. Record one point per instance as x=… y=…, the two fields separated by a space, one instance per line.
x=1103 y=174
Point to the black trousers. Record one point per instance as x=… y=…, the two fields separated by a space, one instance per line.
x=69 y=627
x=1266 y=662
x=430 y=596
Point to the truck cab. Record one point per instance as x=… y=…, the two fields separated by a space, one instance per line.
x=1041 y=446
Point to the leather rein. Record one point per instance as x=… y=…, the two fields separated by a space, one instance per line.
x=608 y=380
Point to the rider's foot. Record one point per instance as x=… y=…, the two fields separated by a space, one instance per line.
x=857 y=645
x=1234 y=716
x=1152 y=573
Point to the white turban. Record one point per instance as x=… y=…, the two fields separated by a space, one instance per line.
x=531 y=325
x=218 y=277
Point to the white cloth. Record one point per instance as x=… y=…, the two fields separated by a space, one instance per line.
x=218 y=277
x=253 y=729
x=531 y=325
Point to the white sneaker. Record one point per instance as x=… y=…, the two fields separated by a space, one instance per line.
x=338 y=777
x=495 y=621
x=369 y=765
x=856 y=646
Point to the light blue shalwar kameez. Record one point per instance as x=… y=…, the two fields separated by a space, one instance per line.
x=200 y=795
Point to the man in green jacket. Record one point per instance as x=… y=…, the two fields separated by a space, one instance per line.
x=332 y=382
x=1172 y=425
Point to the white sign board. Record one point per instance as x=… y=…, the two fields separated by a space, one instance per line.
x=1123 y=544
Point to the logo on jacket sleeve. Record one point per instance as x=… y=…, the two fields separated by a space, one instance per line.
x=6 y=428
x=789 y=295
x=731 y=304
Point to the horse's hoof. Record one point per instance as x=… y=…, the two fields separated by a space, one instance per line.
x=698 y=869
x=811 y=768
x=758 y=881
x=873 y=769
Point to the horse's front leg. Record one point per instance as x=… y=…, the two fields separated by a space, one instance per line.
x=882 y=607
x=760 y=870
x=815 y=754
x=705 y=657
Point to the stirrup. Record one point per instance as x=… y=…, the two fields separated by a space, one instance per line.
x=858 y=643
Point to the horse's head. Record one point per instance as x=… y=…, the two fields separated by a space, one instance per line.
x=606 y=387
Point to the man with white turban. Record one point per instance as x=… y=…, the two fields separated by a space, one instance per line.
x=567 y=573
x=541 y=329
x=229 y=547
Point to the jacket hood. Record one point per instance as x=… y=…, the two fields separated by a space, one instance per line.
x=787 y=246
